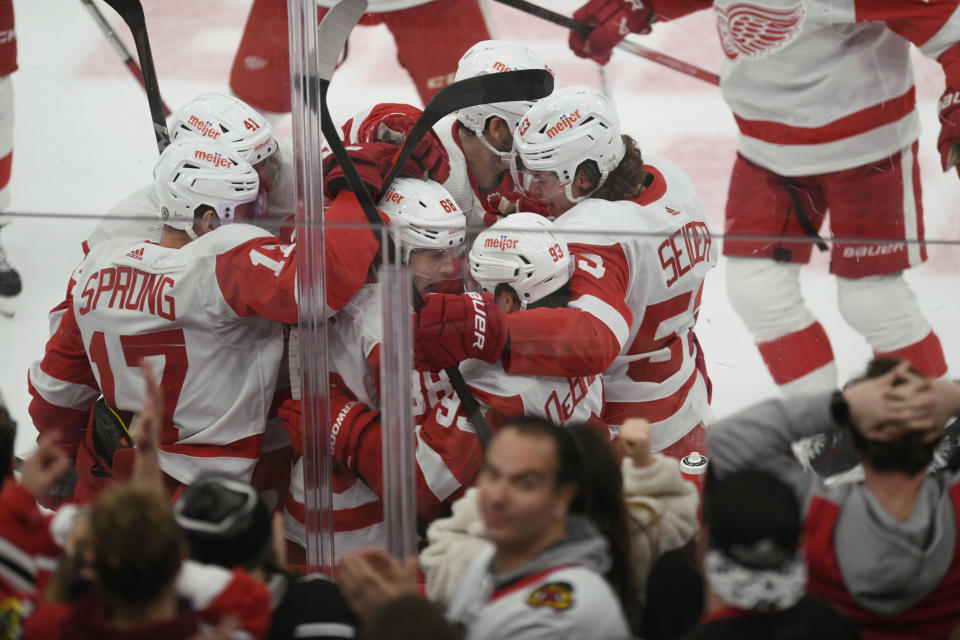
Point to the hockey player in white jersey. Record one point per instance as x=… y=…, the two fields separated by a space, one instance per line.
x=231 y=122
x=642 y=251
x=824 y=97
x=428 y=229
x=202 y=306
x=477 y=140
x=527 y=263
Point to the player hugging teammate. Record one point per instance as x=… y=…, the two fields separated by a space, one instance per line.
x=580 y=302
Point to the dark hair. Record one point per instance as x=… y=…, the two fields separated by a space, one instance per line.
x=586 y=459
x=8 y=438
x=600 y=498
x=408 y=617
x=624 y=182
x=568 y=458
x=908 y=454
x=136 y=544
x=556 y=300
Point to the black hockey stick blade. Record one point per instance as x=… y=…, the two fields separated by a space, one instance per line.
x=132 y=13
x=119 y=47
x=509 y=86
x=335 y=31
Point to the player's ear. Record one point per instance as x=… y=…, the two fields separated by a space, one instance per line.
x=208 y=222
x=499 y=133
x=581 y=183
x=507 y=300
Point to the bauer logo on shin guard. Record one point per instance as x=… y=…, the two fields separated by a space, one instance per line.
x=479 y=321
x=215 y=159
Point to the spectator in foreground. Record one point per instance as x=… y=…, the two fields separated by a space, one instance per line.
x=543 y=574
x=226 y=523
x=661 y=514
x=133 y=553
x=883 y=551
x=755 y=572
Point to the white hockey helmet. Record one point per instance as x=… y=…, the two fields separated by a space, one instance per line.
x=423 y=215
x=228 y=120
x=525 y=251
x=563 y=130
x=495 y=56
x=198 y=171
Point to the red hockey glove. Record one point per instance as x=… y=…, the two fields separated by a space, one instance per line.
x=373 y=161
x=289 y=413
x=391 y=122
x=348 y=419
x=949 y=141
x=614 y=19
x=452 y=328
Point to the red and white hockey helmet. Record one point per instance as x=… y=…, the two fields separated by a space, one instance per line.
x=563 y=130
x=525 y=251
x=228 y=120
x=496 y=56
x=423 y=215
x=197 y=171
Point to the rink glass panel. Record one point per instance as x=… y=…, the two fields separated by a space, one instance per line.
x=83 y=141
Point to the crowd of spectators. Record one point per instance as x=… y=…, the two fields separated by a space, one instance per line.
x=562 y=536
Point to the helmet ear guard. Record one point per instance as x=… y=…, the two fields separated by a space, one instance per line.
x=525 y=251
x=564 y=130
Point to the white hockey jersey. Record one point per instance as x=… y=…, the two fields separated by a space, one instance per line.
x=825 y=85
x=640 y=267
x=206 y=317
x=566 y=598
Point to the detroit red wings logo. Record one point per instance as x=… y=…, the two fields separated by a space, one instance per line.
x=753 y=32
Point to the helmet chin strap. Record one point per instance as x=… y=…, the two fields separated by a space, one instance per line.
x=503 y=155
x=190 y=232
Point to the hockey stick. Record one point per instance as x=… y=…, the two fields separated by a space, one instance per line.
x=584 y=29
x=529 y=84
x=119 y=48
x=132 y=13
x=509 y=86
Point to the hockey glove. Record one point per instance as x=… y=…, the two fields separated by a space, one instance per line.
x=391 y=122
x=373 y=161
x=613 y=20
x=949 y=141
x=452 y=328
x=348 y=419
x=289 y=413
